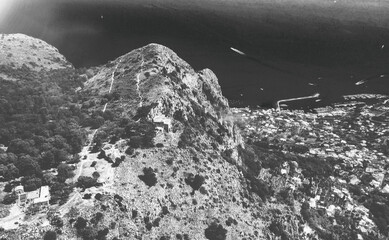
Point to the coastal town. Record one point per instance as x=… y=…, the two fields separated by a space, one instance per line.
x=353 y=137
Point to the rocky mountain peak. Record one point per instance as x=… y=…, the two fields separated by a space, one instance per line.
x=154 y=83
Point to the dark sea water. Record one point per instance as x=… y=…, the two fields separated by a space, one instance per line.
x=293 y=48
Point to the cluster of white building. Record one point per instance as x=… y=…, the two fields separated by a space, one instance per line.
x=40 y=196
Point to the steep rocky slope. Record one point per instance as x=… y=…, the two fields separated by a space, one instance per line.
x=183 y=186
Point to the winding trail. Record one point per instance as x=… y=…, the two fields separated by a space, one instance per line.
x=113 y=76
x=105 y=106
x=137 y=83
x=112 y=80
x=91 y=138
x=74 y=198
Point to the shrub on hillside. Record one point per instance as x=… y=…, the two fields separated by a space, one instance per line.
x=64 y=172
x=8 y=187
x=380 y=212
x=80 y=223
x=141 y=134
x=50 y=235
x=129 y=151
x=32 y=210
x=102 y=154
x=97 y=218
x=60 y=192
x=195 y=181
x=87 y=196
x=89 y=233
x=148 y=177
x=277 y=228
x=305 y=213
x=95 y=175
x=56 y=221
x=101 y=234
x=186 y=138
x=31 y=183
x=74 y=159
x=118 y=161
x=259 y=187
x=215 y=232
x=86 y=182
x=98 y=196
x=96 y=122
x=73 y=212
x=10 y=198
x=159 y=145
x=143 y=111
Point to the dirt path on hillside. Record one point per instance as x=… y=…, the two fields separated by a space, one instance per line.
x=138 y=82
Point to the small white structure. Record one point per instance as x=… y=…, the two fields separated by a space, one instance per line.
x=162 y=123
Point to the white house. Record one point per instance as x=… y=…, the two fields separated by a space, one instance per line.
x=162 y=123
x=41 y=196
